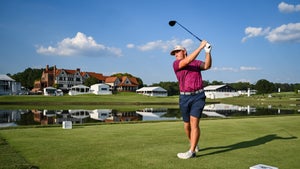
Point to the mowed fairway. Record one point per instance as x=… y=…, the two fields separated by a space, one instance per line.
x=225 y=144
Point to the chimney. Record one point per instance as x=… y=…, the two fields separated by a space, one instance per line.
x=47 y=68
x=78 y=69
x=54 y=70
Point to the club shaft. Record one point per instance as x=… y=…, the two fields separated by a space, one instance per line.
x=189 y=31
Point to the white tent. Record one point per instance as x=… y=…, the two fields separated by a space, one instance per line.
x=50 y=91
x=101 y=114
x=80 y=89
x=153 y=91
x=9 y=86
x=220 y=91
x=100 y=89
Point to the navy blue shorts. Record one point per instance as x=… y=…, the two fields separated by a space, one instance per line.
x=191 y=105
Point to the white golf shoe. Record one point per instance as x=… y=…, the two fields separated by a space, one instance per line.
x=197 y=149
x=186 y=155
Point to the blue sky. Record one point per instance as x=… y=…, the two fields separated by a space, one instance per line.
x=251 y=39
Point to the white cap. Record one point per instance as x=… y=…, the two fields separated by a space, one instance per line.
x=176 y=48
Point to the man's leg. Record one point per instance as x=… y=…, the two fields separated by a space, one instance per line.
x=187 y=129
x=194 y=132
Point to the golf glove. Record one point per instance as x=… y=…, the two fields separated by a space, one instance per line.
x=207 y=48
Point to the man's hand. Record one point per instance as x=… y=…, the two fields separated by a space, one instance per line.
x=207 y=48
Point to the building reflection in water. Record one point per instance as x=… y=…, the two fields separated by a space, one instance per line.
x=224 y=110
x=80 y=116
x=151 y=114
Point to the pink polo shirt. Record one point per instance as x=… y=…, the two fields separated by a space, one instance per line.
x=189 y=77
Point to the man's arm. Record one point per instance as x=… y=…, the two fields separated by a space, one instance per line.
x=184 y=62
x=208 y=61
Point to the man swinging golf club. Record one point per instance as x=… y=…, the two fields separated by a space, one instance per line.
x=192 y=97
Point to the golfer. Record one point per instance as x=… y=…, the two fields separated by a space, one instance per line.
x=192 y=97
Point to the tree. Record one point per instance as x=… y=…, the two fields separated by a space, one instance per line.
x=27 y=77
x=140 y=81
x=205 y=83
x=171 y=87
x=241 y=85
x=90 y=81
x=296 y=87
x=284 y=87
x=263 y=86
x=216 y=82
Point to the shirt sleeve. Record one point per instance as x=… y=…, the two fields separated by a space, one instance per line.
x=176 y=65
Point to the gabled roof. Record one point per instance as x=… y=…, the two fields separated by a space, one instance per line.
x=98 y=76
x=100 y=84
x=6 y=78
x=159 y=89
x=70 y=71
x=224 y=87
x=132 y=80
x=110 y=79
x=213 y=87
x=80 y=86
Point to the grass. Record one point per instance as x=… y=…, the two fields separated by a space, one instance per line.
x=128 y=100
x=9 y=158
x=278 y=100
x=89 y=101
x=227 y=143
x=125 y=97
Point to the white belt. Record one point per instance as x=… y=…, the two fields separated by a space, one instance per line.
x=192 y=93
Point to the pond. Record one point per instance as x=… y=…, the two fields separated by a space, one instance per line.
x=49 y=117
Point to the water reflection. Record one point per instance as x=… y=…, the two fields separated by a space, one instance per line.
x=46 y=117
x=224 y=110
x=155 y=114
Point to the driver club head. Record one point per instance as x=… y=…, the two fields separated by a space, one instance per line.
x=172 y=23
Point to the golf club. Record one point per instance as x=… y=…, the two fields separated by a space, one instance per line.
x=173 y=22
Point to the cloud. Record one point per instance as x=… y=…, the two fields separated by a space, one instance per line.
x=162 y=45
x=289 y=32
x=80 y=45
x=284 y=33
x=255 y=31
x=243 y=81
x=288 y=8
x=130 y=45
x=248 y=68
x=231 y=69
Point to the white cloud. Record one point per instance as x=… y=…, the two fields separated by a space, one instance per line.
x=130 y=45
x=80 y=45
x=159 y=44
x=289 y=32
x=243 y=80
x=230 y=69
x=163 y=45
x=248 y=68
x=284 y=33
x=187 y=43
x=288 y=8
x=255 y=31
